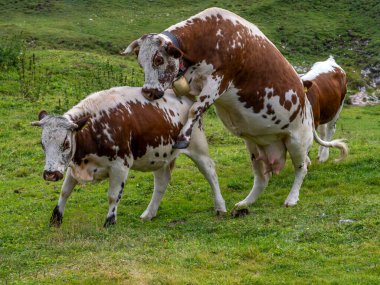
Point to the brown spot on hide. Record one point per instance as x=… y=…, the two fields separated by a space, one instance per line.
x=294 y=99
x=285 y=126
x=270 y=111
x=295 y=113
x=288 y=105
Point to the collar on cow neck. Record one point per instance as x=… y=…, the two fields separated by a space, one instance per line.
x=173 y=38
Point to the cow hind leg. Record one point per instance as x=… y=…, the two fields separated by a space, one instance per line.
x=323 y=152
x=118 y=176
x=260 y=181
x=67 y=188
x=161 y=181
x=328 y=130
x=298 y=153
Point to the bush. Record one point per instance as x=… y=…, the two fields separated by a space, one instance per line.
x=10 y=51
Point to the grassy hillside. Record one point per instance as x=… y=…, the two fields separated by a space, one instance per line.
x=53 y=53
x=305 y=31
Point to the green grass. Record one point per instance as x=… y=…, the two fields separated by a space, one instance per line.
x=305 y=31
x=186 y=243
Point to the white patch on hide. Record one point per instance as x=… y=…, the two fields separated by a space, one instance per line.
x=321 y=67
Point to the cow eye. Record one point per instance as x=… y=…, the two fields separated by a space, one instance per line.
x=158 y=60
x=66 y=144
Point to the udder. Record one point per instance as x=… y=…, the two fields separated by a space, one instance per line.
x=273 y=155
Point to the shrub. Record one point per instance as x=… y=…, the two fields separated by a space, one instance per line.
x=10 y=51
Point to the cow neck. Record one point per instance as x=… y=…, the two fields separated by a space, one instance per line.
x=86 y=142
x=191 y=43
x=184 y=63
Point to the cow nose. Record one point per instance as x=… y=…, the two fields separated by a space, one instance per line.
x=152 y=93
x=52 y=175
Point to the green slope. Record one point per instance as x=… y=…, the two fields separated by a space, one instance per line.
x=305 y=31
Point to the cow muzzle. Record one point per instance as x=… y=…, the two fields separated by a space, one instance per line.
x=152 y=93
x=52 y=175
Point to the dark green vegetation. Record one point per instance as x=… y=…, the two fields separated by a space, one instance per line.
x=304 y=31
x=65 y=55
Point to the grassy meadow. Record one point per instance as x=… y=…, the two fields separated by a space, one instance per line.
x=54 y=53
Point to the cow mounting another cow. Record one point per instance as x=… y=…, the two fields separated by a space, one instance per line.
x=229 y=62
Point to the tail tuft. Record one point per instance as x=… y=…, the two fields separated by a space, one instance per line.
x=339 y=143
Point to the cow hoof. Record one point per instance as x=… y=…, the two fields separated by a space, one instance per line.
x=290 y=203
x=220 y=213
x=181 y=144
x=237 y=213
x=110 y=221
x=147 y=216
x=56 y=218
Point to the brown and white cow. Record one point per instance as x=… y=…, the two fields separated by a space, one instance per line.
x=115 y=130
x=259 y=97
x=326 y=85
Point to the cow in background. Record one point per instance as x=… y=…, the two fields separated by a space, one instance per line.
x=326 y=85
x=229 y=62
x=115 y=130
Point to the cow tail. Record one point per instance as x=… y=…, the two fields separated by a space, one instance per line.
x=339 y=143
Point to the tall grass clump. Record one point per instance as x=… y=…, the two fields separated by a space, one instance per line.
x=10 y=52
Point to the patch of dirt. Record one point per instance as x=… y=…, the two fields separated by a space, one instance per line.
x=239 y=213
x=176 y=222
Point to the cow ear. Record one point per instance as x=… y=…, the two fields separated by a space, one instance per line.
x=173 y=51
x=42 y=114
x=307 y=84
x=81 y=123
x=133 y=47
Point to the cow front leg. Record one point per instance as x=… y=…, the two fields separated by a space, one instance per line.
x=118 y=176
x=161 y=181
x=206 y=98
x=198 y=152
x=67 y=188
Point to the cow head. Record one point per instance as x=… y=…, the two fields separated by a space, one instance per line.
x=160 y=60
x=58 y=143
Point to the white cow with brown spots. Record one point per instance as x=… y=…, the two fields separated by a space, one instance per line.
x=113 y=131
x=229 y=62
x=326 y=84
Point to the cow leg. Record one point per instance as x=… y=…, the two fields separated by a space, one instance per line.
x=260 y=181
x=328 y=131
x=161 y=180
x=205 y=99
x=67 y=188
x=298 y=149
x=118 y=175
x=323 y=152
x=198 y=152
